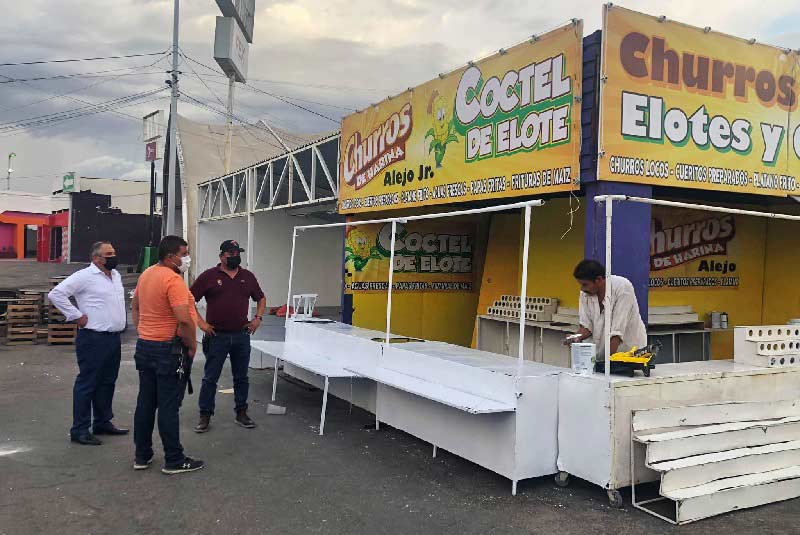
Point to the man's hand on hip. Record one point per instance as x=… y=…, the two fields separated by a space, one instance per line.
x=207 y=328
x=253 y=325
x=82 y=321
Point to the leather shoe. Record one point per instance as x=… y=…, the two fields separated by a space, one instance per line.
x=110 y=429
x=86 y=440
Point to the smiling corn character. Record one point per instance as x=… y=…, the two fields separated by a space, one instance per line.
x=442 y=131
x=358 y=248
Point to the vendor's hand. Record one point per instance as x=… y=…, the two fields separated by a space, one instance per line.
x=82 y=321
x=571 y=339
x=207 y=328
x=253 y=325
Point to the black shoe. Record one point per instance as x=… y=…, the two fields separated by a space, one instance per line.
x=187 y=465
x=139 y=464
x=243 y=419
x=110 y=429
x=87 y=440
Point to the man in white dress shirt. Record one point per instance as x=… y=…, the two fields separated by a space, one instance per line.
x=101 y=318
x=627 y=327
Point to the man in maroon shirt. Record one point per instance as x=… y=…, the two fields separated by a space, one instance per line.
x=227 y=289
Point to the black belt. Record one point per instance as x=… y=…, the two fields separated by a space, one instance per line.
x=102 y=332
x=240 y=331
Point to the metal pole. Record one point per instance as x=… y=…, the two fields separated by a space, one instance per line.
x=173 y=120
x=291 y=273
x=523 y=291
x=229 y=125
x=150 y=225
x=607 y=298
x=391 y=282
x=8 y=177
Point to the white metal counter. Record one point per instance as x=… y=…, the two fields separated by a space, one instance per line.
x=594 y=414
x=495 y=411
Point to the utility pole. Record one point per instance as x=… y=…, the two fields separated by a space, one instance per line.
x=169 y=211
x=8 y=177
x=229 y=124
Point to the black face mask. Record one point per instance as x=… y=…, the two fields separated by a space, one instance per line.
x=111 y=262
x=232 y=262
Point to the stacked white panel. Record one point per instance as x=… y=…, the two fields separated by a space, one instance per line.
x=767 y=345
x=536 y=308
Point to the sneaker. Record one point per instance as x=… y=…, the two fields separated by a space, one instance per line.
x=243 y=419
x=203 y=423
x=187 y=465
x=139 y=464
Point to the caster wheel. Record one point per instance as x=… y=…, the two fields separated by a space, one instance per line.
x=615 y=499
x=562 y=479
x=646 y=371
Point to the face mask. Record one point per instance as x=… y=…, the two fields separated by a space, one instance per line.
x=111 y=262
x=186 y=262
x=232 y=262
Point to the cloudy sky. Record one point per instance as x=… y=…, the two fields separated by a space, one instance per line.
x=329 y=56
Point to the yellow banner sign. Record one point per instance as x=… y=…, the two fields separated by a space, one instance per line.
x=691 y=108
x=505 y=126
x=429 y=256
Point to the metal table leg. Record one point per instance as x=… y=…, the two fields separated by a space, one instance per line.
x=275 y=379
x=324 y=407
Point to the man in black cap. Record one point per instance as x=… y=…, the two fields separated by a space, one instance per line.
x=227 y=289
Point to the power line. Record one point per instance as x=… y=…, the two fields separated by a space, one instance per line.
x=83 y=88
x=300 y=84
x=74 y=113
x=96 y=74
x=199 y=103
x=273 y=95
x=80 y=59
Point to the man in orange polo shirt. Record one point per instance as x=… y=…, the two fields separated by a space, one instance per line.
x=164 y=314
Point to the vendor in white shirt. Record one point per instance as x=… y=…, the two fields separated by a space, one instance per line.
x=627 y=327
x=101 y=318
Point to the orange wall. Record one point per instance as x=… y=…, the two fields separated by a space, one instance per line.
x=20 y=220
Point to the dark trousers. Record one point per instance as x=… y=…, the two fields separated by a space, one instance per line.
x=160 y=390
x=98 y=361
x=237 y=345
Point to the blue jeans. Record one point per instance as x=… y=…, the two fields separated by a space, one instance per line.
x=160 y=390
x=98 y=361
x=237 y=345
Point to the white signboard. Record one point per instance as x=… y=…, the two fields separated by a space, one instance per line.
x=231 y=49
x=153 y=126
x=244 y=13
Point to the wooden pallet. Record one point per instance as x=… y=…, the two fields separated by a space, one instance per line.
x=61 y=333
x=54 y=315
x=24 y=335
x=22 y=314
x=55 y=281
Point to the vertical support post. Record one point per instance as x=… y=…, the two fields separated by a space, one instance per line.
x=324 y=407
x=275 y=379
x=250 y=194
x=391 y=282
x=229 y=125
x=169 y=210
x=150 y=225
x=291 y=273
x=523 y=291
x=607 y=299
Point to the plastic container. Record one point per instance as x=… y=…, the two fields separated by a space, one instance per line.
x=583 y=357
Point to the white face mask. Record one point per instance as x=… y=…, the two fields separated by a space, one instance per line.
x=186 y=262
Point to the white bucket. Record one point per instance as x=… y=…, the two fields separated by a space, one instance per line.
x=583 y=357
